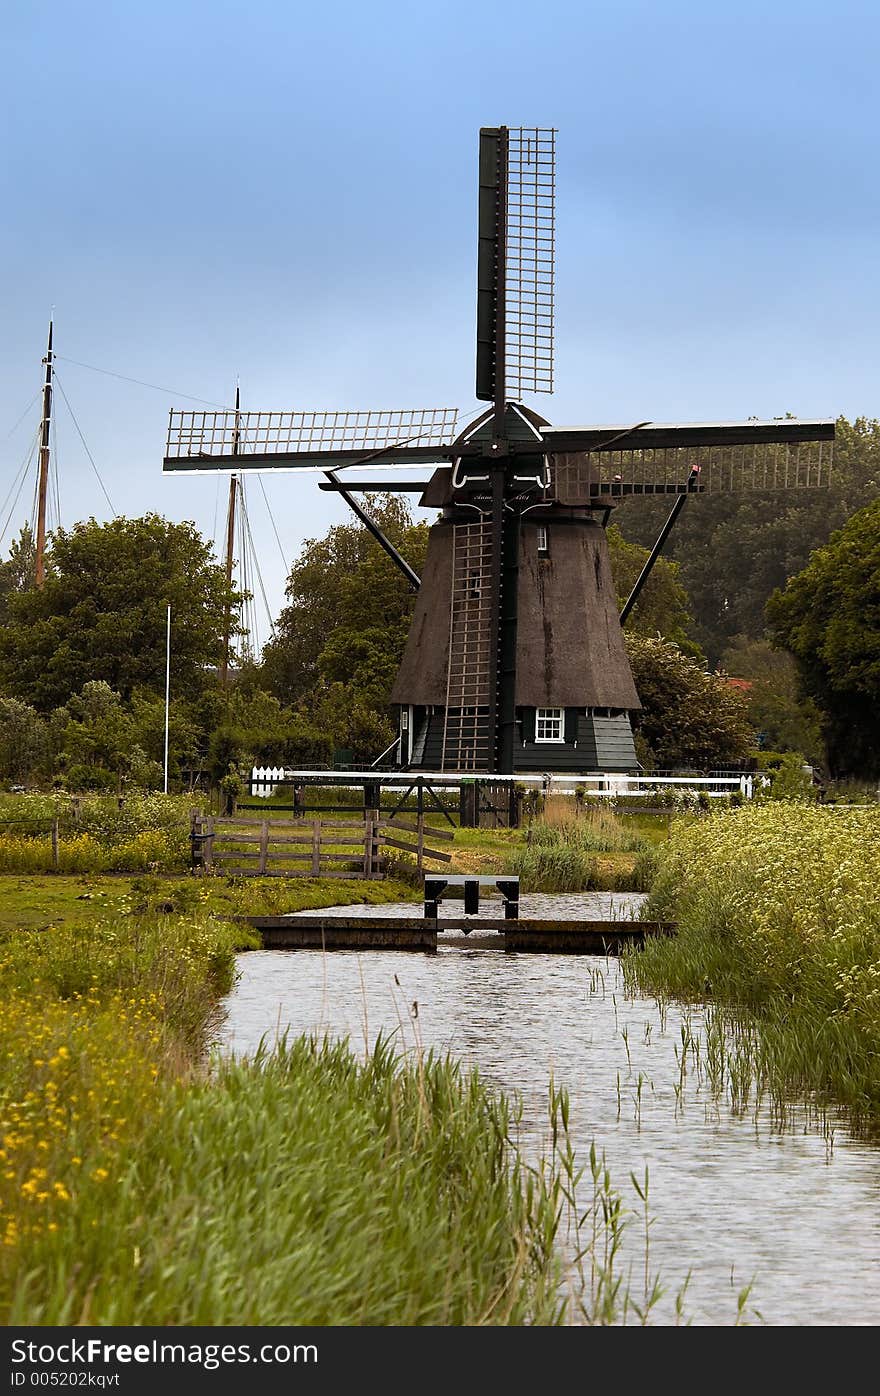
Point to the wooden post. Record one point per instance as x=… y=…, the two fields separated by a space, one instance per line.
x=368 y=845
x=420 y=838
x=195 y=832
x=208 y=845
x=55 y=842
x=316 y=848
x=264 y=845
x=374 y=843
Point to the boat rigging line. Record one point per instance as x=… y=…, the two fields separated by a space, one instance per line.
x=141 y=382
x=18 y=482
x=84 y=445
x=274 y=529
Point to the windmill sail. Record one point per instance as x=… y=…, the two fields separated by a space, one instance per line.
x=515 y=261
x=304 y=440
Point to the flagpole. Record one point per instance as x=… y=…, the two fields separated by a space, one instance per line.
x=167 y=689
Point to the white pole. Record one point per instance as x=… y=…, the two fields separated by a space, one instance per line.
x=167 y=689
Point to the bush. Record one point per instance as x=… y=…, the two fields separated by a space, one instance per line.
x=91 y=778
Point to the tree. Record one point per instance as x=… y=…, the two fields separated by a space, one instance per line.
x=101 y=614
x=24 y=741
x=828 y=618
x=96 y=737
x=339 y=642
x=18 y=571
x=662 y=607
x=691 y=718
x=734 y=550
x=783 y=719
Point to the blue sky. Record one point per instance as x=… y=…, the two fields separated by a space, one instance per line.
x=287 y=194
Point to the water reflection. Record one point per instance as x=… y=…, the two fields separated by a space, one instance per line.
x=733 y=1198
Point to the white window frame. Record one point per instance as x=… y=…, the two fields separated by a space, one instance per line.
x=543 y=540
x=553 y=720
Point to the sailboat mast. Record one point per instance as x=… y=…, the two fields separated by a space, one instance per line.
x=43 y=485
x=230 y=546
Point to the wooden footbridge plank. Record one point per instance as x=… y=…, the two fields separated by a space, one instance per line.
x=309 y=931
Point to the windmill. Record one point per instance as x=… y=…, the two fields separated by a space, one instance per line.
x=515 y=658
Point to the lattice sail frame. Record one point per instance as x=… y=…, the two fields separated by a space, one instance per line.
x=577 y=477
x=227 y=432
x=530 y=260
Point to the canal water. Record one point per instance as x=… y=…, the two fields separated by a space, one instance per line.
x=735 y=1199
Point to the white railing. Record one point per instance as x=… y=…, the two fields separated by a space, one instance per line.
x=609 y=784
x=613 y=785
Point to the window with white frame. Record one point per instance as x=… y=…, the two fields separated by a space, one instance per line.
x=549 y=725
x=543 y=540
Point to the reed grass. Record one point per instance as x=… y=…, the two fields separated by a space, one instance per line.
x=306 y=1186
x=599 y=831
x=559 y=853
x=778 y=911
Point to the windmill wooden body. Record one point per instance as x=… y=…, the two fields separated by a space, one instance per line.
x=515 y=658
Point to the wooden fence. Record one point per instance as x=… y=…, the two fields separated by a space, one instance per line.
x=286 y=847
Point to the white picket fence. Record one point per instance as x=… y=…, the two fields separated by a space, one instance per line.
x=265 y=780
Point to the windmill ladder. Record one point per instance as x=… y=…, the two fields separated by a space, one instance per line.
x=465 y=721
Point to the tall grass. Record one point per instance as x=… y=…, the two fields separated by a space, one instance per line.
x=157 y=849
x=598 y=831
x=560 y=852
x=306 y=1186
x=778 y=908
x=95 y=834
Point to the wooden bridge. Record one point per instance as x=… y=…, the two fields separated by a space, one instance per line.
x=318 y=931
x=506 y=930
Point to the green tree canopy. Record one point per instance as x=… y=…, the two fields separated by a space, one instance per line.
x=662 y=607
x=18 y=571
x=339 y=642
x=828 y=618
x=691 y=718
x=734 y=550
x=24 y=742
x=101 y=613
x=782 y=718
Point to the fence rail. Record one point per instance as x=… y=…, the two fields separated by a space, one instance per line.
x=242 y=847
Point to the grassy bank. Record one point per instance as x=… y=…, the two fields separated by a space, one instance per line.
x=52 y=901
x=308 y=1187
x=778 y=907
